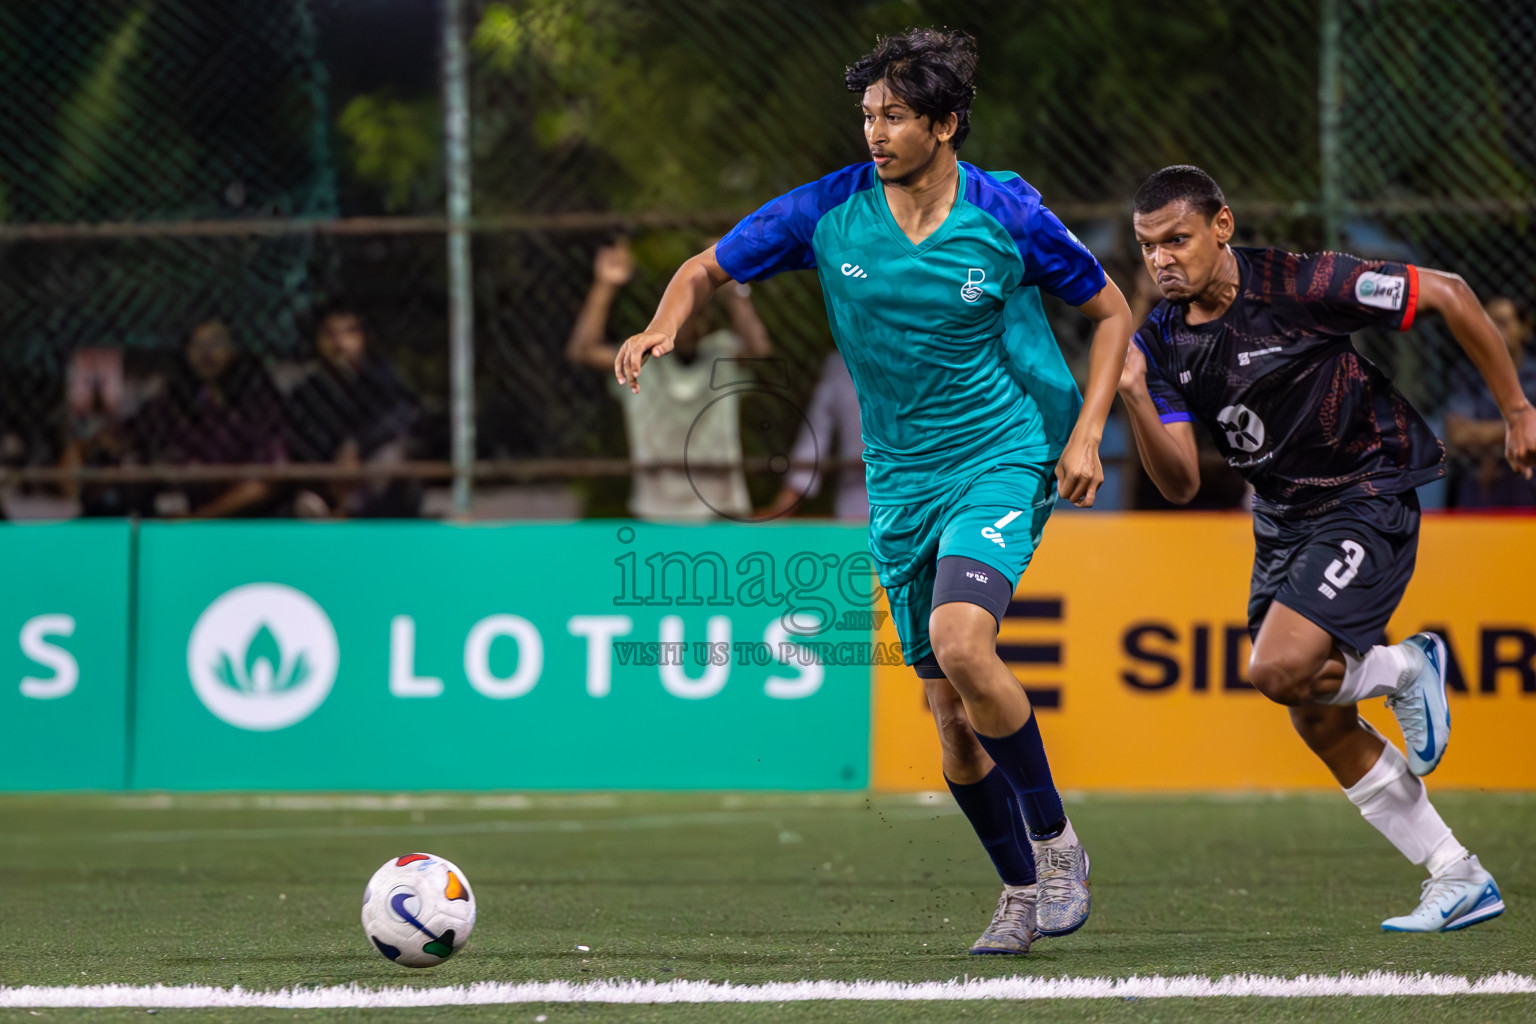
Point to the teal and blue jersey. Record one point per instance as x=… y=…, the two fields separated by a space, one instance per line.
x=953 y=360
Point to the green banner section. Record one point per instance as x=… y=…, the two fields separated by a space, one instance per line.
x=64 y=655
x=433 y=656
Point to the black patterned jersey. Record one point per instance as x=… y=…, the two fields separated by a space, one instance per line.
x=1292 y=406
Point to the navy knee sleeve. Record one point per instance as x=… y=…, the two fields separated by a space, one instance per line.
x=964 y=579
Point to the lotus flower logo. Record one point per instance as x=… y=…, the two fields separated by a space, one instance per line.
x=263 y=669
x=263 y=656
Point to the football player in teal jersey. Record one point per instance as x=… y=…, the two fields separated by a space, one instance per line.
x=931 y=271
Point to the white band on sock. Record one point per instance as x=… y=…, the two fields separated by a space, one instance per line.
x=1395 y=802
x=1376 y=674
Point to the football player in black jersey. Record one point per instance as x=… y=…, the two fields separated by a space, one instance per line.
x=1254 y=345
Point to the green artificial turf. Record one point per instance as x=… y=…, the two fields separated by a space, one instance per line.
x=256 y=892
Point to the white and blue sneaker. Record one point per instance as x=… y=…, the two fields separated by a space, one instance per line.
x=1420 y=705
x=1459 y=897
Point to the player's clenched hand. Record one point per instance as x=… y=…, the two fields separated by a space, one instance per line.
x=1078 y=472
x=634 y=352
x=1133 y=378
x=1520 y=441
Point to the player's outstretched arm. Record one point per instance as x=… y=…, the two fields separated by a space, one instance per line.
x=685 y=297
x=1451 y=297
x=1079 y=472
x=1168 y=450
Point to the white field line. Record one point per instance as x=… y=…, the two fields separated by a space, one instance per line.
x=1376 y=983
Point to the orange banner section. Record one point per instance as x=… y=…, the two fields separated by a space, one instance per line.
x=1130 y=633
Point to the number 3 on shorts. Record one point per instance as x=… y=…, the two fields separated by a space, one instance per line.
x=1342 y=570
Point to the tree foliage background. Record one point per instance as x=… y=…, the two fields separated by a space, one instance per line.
x=665 y=122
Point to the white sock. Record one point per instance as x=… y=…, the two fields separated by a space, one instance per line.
x=1394 y=801
x=1378 y=674
x=1020 y=888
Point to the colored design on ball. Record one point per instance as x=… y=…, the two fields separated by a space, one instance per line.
x=411 y=858
x=442 y=946
x=456 y=890
x=406 y=905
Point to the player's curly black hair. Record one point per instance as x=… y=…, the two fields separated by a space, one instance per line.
x=933 y=70
x=1180 y=183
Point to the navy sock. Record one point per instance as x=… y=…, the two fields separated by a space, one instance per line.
x=1022 y=760
x=993 y=812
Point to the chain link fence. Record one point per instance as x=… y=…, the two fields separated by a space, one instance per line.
x=191 y=189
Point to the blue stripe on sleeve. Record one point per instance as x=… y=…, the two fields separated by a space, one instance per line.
x=777 y=237
x=1171 y=406
x=1053 y=257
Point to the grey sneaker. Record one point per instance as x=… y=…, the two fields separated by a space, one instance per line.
x=1062 y=899
x=1013 y=924
x=1420 y=706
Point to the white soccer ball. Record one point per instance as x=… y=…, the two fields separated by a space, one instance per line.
x=418 y=910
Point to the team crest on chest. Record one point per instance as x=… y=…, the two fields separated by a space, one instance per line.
x=1244 y=429
x=971 y=290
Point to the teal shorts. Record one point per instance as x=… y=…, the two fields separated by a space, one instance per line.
x=996 y=518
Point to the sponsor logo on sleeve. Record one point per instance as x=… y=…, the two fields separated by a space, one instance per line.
x=1384 y=291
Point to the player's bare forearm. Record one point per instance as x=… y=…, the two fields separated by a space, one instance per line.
x=1167 y=450
x=1079 y=471
x=1454 y=300
x=686 y=295
x=1106 y=354
x=688 y=292
x=1168 y=453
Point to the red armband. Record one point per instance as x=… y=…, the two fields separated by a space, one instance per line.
x=1411 y=305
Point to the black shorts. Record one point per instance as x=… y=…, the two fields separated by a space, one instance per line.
x=1345 y=569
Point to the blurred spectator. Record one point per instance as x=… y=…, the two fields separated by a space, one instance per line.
x=1474 y=428
x=31 y=395
x=95 y=429
x=674 y=394
x=831 y=434
x=218 y=408
x=353 y=410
